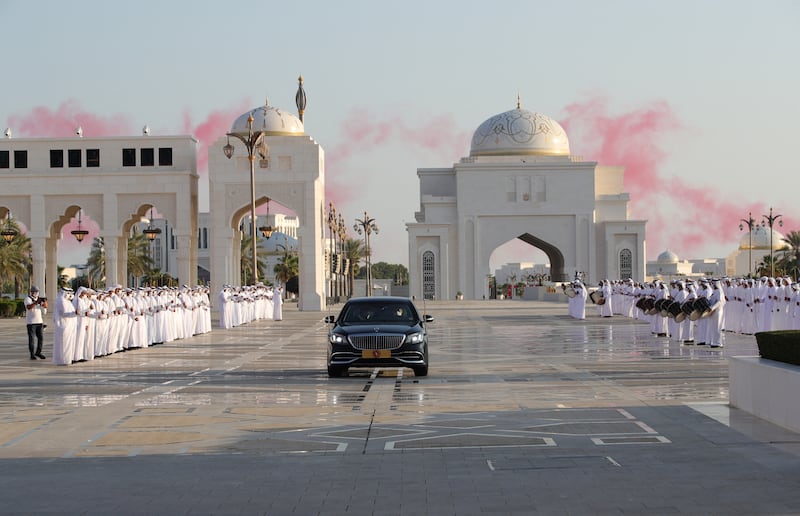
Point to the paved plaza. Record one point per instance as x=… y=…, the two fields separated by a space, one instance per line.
x=525 y=411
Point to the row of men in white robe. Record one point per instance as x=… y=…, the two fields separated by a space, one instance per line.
x=95 y=323
x=751 y=305
x=621 y=298
x=244 y=304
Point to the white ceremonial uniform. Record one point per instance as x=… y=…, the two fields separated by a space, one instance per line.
x=714 y=336
x=577 y=305
x=277 y=301
x=66 y=324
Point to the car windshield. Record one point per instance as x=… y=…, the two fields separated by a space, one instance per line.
x=360 y=313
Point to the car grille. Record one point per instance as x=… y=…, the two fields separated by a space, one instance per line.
x=376 y=341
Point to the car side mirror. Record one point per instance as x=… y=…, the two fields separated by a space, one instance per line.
x=427 y=318
x=330 y=319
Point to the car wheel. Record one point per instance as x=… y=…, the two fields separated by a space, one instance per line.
x=421 y=370
x=336 y=372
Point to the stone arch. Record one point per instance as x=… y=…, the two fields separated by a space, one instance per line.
x=294 y=177
x=553 y=254
x=45 y=198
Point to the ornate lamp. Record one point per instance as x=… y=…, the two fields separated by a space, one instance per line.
x=150 y=232
x=8 y=233
x=266 y=231
x=79 y=233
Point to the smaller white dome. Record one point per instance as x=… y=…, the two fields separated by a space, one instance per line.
x=761 y=239
x=667 y=257
x=273 y=121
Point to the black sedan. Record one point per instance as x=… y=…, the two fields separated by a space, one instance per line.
x=378 y=331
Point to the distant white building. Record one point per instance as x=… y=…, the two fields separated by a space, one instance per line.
x=668 y=267
x=753 y=247
x=519 y=271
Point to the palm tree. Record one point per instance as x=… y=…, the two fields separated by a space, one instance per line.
x=97 y=263
x=287 y=268
x=764 y=268
x=792 y=256
x=247 y=261
x=354 y=251
x=15 y=260
x=139 y=261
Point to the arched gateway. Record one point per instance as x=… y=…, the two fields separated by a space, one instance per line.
x=292 y=173
x=520 y=181
x=45 y=182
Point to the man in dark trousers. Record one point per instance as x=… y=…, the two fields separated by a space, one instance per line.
x=35 y=309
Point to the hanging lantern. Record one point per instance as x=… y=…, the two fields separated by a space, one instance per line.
x=79 y=233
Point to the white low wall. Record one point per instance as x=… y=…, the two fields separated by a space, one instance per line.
x=767 y=389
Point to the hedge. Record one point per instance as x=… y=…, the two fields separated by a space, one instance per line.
x=781 y=345
x=12 y=308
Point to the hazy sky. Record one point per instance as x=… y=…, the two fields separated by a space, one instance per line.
x=697 y=99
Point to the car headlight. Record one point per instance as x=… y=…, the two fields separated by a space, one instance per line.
x=415 y=338
x=335 y=338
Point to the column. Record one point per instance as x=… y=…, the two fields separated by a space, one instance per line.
x=50 y=287
x=110 y=251
x=184 y=258
x=38 y=246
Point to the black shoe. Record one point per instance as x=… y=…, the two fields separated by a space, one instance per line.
x=688 y=342
x=715 y=345
x=662 y=334
x=41 y=355
x=701 y=343
x=33 y=357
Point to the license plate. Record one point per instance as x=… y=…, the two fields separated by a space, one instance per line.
x=376 y=353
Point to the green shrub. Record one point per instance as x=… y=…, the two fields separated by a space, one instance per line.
x=8 y=307
x=781 y=346
x=12 y=308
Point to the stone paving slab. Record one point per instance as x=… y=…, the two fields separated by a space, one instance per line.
x=525 y=411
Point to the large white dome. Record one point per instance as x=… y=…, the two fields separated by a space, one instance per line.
x=271 y=120
x=519 y=132
x=761 y=239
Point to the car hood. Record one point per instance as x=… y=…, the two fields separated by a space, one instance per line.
x=378 y=328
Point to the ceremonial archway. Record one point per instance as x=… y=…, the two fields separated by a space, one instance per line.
x=293 y=175
x=520 y=181
x=116 y=180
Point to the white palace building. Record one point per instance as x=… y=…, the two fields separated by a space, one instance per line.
x=47 y=183
x=518 y=182
x=521 y=182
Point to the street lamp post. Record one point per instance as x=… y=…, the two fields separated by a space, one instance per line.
x=366 y=226
x=750 y=223
x=254 y=142
x=341 y=229
x=769 y=221
x=332 y=223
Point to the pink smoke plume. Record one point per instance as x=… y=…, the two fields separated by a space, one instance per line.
x=683 y=215
x=364 y=132
x=215 y=126
x=44 y=122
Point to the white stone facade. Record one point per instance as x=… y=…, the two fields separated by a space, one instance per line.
x=294 y=177
x=45 y=182
x=521 y=182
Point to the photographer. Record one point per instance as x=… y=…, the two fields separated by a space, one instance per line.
x=35 y=308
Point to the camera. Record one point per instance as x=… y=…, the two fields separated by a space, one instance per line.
x=41 y=300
